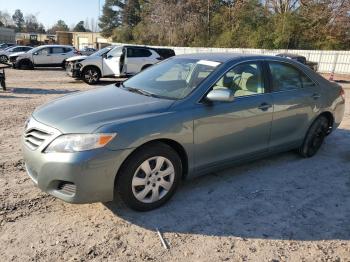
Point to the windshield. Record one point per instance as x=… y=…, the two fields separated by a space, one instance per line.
x=35 y=49
x=173 y=78
x=8 y=48
x=115 y=52
x=102 y=51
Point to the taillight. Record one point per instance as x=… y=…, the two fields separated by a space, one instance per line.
x=342 y=93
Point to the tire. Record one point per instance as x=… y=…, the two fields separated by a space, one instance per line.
x=137 y=188
x=25 y=64
x=3 y=59
x=3 y=84
x=91 y=75
x=314 y=137
x=64 y=64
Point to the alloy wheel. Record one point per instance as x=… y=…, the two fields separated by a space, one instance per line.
x=91 y=76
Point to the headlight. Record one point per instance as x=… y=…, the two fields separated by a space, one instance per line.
x=78 y=142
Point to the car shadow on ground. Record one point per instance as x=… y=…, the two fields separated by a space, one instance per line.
x=49 y=68
x=30 y=90
x=280 y=197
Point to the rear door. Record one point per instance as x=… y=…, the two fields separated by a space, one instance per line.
x=296 y=100
x=137 y=58
x=59 y=54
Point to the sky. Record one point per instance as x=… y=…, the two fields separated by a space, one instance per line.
x=49 y=11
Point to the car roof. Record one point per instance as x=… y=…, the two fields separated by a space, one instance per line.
x=226 y=57
x=55 y=46
x=289 y=55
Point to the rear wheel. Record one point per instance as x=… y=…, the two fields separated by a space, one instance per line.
x=314 y=137
x=91 y=75
x=149 y=177
x=3 y=59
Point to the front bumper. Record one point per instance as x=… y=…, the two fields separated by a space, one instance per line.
x=72 y=71
x=82 y=177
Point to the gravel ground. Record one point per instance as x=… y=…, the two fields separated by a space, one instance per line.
x=282 y=208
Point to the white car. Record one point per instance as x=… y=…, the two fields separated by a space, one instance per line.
x=72 y=61
x=46 y=56
x=5 y=53
x=121 y=61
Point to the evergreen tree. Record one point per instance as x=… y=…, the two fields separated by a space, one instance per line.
x=18 y=19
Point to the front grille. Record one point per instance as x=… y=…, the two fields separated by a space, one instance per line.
x=67 y=188
x=34 y=138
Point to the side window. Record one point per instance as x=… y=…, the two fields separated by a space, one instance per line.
x=138 y=52
x=306 y=81
x=285 y=77
x=27 y=48
x=17 y=49
x=57 y=50
x=67 y=50
x=44 y=51
x=244 y=80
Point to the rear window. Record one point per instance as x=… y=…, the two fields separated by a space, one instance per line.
x=165 y=53
x=57 y=50
x=285 y=77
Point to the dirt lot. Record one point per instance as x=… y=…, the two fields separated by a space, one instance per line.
x=282 y=208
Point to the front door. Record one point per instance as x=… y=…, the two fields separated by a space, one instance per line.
x=224 y=131
x=111 y=62
x=42 y=56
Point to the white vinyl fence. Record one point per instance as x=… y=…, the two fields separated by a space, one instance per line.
x=328 y=61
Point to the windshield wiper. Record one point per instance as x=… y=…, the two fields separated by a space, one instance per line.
x=139 y=91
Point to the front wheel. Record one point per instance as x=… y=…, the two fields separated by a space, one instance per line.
x=149 y=177
x=314 y=137
x=91 y=75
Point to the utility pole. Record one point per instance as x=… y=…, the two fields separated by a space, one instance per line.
x=208 y=18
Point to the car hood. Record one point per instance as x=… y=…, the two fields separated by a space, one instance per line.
x=16 y=54
x=25 y=55
x=76 y=58
x=84 y=112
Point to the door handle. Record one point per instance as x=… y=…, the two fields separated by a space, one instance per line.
x=316 y=96
x=264 y=106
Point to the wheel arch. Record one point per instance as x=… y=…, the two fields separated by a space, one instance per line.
x=92 y=66
x=179 y=149
x=330 y=118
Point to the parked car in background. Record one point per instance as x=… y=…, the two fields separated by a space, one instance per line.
x=13 y=57
x=5 y=45
x=45 y=56
x=6 y=53
x=72 y=61
x=121 y=61
x=87 y=51
x=300 y=59
x=189 y=115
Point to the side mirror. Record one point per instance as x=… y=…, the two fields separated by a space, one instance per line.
x=36 y=53
x=220 y=94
